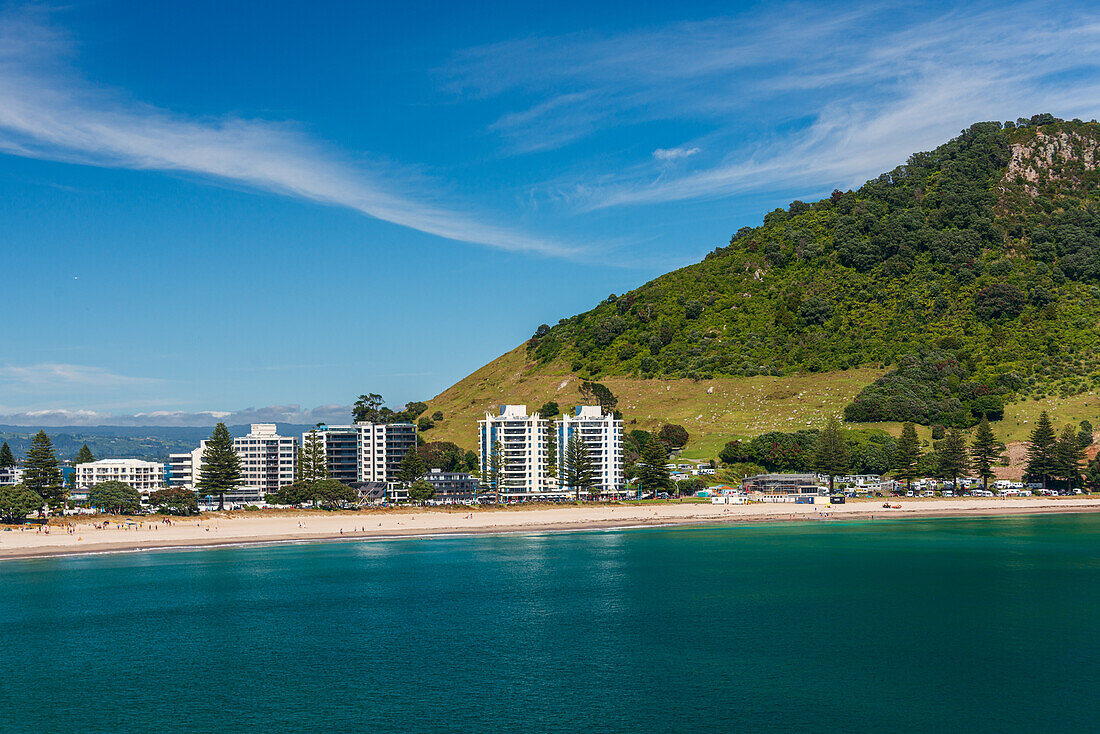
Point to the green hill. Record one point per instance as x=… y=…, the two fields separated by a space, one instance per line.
x=962 y=281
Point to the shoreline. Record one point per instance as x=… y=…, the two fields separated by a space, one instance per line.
x=292 y=528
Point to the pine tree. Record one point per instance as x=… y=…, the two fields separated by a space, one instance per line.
x=552 y=451
x=652 y=466
x=1041 y=458
x=312 y=463
x=579 y=469
x=7 y=458
x=831 y=452
x=907 y=454
x=985 y=450
x=412 y=467
x=953 y=457
x=1068 y=456
x=221 y=467
x=84 y=456
x=495 y=469
x=1084 y=436
x=42 y=473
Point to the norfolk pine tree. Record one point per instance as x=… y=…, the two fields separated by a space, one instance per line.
x=552 y=452
x=580 y=471
x=84 y=456
x=221 y=467
x=985 y=451
x=42 y=474
x=312 y=463
x=907 y=454
x=7 y=458
x=653 y=469
x=831 y=452
x=1041 y=458
x=954 y=459
x=1068 y=456
x=412 y=467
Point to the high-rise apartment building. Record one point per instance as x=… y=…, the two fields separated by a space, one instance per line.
x=524 y=442
x=602 y=435
x=366 y=452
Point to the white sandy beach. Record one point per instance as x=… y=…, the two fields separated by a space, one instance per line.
x=81 y=536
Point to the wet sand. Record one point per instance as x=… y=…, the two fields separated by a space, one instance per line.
x=236 y=528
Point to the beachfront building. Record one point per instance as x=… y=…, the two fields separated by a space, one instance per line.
x=451 y=486
x=144 y=476
x=366 y=452
x=771 y=484
x=524 y=442
x=11 y=475
x=268 y=462
x=602 y=434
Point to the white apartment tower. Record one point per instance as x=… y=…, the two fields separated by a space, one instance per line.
x=524 y=442
x=366 y=452
x=267 y=461
x=602 y=434
x=144 y=476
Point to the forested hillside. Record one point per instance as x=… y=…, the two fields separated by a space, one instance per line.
x=972 y=273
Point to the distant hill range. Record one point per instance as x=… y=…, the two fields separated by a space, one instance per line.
x=962 y=282
x=152 y=443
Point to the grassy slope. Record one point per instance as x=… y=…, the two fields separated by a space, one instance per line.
x=737 y=407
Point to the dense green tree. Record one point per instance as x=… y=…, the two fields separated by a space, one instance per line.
x=601 y=394
x=7 y=459
x=831 y=455
x=1092 y=474
x=1085 y=435
x=312 y=462
x=653 y=467
x=985 y=451
x=421 y=491
x=18 y=501
x=549 y=409
x=42 y=473
x=953 y=457
x=437 y=416
x=368 y=408
x=175 y=501
x=221 y=466
x=84 y=456
x=443 y=455
x=471 y=461
x=116 y=498
x=331 y=493
x=1068 y=456
x=578 y=468
x=412 y=467
x=907 y=455
x=493 y=475
x=552 y=451
x=1042 y=461
x=673 y=435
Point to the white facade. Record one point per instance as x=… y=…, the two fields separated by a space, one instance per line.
x=11 y=475
x=366 y=452
x=524 y=441
x=144 y=476
x=267 y=461
x=602 y=434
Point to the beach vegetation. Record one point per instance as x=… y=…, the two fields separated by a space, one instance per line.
x=578 y=467
x=985 y=451
x=831 y=455
x=175 y=501
x=17 y=501
x=907 y=455
x=421 y=491
x=42 y=472
x=312 y=464
x=652 y=467
x=221 y=467
x=116 y=498
x=1042 y=458
x=84 y=456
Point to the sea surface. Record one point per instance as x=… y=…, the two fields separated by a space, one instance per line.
x=963 y=625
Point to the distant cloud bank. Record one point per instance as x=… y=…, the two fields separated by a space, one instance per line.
x=336 y=414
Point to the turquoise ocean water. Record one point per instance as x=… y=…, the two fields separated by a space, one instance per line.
x=922 y=625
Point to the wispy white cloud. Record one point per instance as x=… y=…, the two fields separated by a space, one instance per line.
x=674 y=154
x=794 y=96
x=48 y=111
x=66 y=376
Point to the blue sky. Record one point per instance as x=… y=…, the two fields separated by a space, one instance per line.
x=272 y=207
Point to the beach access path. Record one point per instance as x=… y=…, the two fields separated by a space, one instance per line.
x=80 y=535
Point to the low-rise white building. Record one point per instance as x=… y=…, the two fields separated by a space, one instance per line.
x=144 y=476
